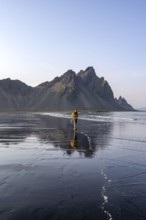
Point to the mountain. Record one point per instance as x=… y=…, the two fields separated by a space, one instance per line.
x=123 y=103
x=84 y=90
x=14 y=94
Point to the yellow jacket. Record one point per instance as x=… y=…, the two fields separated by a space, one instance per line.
x=74 y=115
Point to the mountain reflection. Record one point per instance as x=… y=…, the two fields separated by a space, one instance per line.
x=15 y=127
x=90 y=137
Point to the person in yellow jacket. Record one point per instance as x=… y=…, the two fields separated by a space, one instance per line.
x=75 y=118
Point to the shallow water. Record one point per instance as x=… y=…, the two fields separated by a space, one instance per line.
x=48 y=172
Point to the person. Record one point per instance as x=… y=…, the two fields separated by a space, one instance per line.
x=75 y=118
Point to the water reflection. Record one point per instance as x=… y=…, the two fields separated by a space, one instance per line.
x=15 y=128
x=74 y=141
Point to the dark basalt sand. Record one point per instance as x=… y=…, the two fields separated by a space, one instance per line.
x=47 y=172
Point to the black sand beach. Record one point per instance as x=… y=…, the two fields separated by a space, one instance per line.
x=48 y=172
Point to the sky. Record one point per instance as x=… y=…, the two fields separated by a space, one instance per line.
x=42 y=39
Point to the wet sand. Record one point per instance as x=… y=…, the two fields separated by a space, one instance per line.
x=49 y=172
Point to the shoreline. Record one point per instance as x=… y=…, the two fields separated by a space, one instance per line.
x=68 y=110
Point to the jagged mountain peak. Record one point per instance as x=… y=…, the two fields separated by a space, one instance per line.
x=123 y=103
x=121 y=100
x=85 y=90
x=88 y=73
x=67 y=77
x=90 y=69
x=69 y=74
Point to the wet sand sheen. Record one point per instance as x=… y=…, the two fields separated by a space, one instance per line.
x=48 y=173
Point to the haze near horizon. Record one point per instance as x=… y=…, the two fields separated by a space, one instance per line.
x=42 y=39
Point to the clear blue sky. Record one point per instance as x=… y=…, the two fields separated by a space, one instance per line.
x=42 y=39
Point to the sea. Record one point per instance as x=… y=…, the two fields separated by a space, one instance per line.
x=50 y=172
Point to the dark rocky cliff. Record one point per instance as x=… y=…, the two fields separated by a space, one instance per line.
x=123 y=103
x=14 y=94
x=84 y=90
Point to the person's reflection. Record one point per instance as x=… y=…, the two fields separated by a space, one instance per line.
x=74 y=140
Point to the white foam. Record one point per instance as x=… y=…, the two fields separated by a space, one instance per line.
x=93 y=117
